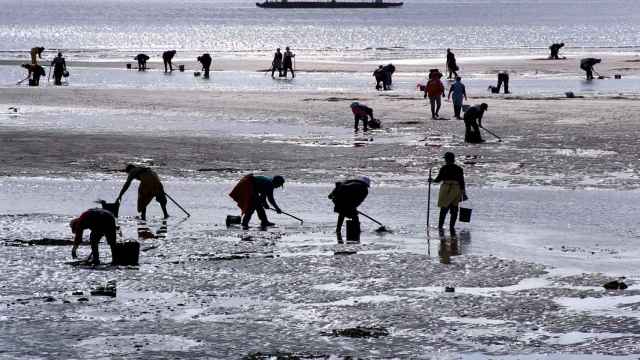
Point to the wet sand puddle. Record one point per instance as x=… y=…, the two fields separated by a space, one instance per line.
x=204 y=290
x=326 y=82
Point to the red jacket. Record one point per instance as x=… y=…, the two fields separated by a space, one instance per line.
x=435 y=88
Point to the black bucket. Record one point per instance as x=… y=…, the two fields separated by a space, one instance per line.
x=126 y=253
x=233 y=220
x=129 y=66
x=113 y=208
x=196 y=73
x=353 y=231
x=181 y=68
x=464 y=215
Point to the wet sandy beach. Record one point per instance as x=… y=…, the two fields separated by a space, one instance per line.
x=554 y=206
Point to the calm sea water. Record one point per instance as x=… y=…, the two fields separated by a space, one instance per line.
x=112 y=29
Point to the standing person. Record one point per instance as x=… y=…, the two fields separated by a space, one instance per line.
x=142 y=61
x=150 y=187
x=364 y=113
x=473 y=123
x=346 y=197
x=554 y=49
x=167 y=56
x=587 y=64
x=101 y=223
x=459 y=94
x=59 y=66
x=452 y=190
x=36 y=53
x=287 y=62
x=435 y=91
x=452 y=66
x=33 y=75
x=205 y=60
x=251 y=193
x=276 y=64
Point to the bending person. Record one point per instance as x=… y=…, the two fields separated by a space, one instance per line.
x=346 y=197
x=252 y=193
x=150 y=187
x=205 y=60
x=142 y=61
x=101 y=223
x=167 y=58
x=473 y=123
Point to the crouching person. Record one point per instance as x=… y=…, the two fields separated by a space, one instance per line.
x=346 y=197
x=101 y=223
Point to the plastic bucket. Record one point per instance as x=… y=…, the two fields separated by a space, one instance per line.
x=126 y=253
x=464 y=215
x=233 y=220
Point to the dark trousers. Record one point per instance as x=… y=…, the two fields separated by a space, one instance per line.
x=206 y=71
x=457 y=108
x=142 y=65
x=452 y=218
x=589 y=71
x=57 y=78
x=255 y=207
x=503 y=78
x=365 y=122
x=472 y=132
x=351 y=214
x=94 y=238
x=288 y=67
x=168 y=62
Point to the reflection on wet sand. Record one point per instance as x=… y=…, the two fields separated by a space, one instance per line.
x=144 y=231
x=449 y=246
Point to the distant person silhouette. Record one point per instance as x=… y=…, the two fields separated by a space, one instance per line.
x=503 y=78
x=459 y=92
x=142 y=61
x=167 y=58
x=59 y=66
x=287 y=62
x=435 y=91
x=380 y=75
x=36 y=53
x=276 y=64
x=452 y=66
x=205 y=60
x=587 y=64
x=388 y=69
x=34 y=72
x=554 y=49
x=452 y=190
x=364 y=113
x=473 y=123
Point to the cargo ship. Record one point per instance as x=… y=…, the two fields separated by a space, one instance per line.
x=332 y=4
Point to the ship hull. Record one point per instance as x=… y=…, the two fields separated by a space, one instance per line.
x=327 y=5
